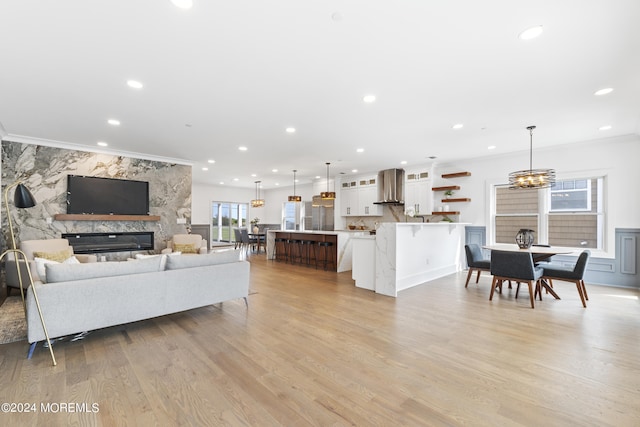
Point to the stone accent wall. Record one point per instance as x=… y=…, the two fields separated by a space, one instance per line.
x=44 y=171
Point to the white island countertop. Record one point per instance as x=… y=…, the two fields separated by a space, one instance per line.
x=411 y=253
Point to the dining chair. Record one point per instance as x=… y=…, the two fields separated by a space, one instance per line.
x=574 y=275
x=516 y=266
x=475 y=261
x=238 y=238
x=247 y=242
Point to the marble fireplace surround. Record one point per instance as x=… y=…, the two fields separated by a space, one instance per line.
x=44 y=169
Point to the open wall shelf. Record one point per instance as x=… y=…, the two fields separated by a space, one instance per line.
x=449 y=187
x=456 y=175
x=463 y=199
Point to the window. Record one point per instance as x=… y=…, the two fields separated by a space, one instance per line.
x=225 y=217
x=576 y=214
x=515 y=209
x=570 y=214
x=571 y=196
x=291 y=212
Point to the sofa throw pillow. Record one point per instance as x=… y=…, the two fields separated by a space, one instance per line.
x=178 y=262
x=185 y=248
x=40 y=266
x=67 y=273
x=58 y=256
x=163 y=258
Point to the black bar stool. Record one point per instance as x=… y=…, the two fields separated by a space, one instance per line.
x=280 y=248
x=326 y=249
x=307 y=246
x=295 y=250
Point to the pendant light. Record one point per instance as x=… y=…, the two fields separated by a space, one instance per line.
x=328 y=195
x=531 y=178
x=294 y=198
x=257 y=202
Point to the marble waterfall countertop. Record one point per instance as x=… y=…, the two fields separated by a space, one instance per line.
x=408 y=254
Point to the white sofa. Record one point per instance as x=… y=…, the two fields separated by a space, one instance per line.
x=84 y=297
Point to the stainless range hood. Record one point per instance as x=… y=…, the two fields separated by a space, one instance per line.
x=391 y=187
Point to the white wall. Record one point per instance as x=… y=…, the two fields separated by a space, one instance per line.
x=614 y=158
x=271 y=213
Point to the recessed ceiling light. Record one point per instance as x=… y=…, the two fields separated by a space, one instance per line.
x=603 y=91
x=291 y=130
x=221 y=183
x=318 y=177
x=236 y=179
x=354 y=170
x=491 y=147
x=102 y=144
x=404 y=162
x=606 y=127
x=369 y=98
x=253 y=175
x=274 y=170
x=183 y=4
x=134 y=84
x=205 y=169
x=360 y=150
x=530 y=33
x=211 y=161
x=457 y=126
x=113 y=122
x=243 y=148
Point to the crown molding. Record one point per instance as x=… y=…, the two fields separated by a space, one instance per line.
x=70 y=146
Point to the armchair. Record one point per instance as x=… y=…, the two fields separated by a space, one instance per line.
x=187 y=244
x=31 y=247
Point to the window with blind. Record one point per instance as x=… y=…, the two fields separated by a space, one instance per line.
x=570 y=214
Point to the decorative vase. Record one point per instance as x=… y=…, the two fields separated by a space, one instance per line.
x=256 y=230
x=524 y=238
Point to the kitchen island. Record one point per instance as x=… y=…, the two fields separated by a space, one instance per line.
x=341 y=239
x=409 y=254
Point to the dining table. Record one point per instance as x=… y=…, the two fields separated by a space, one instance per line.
x=260 y=239
x=538 y=253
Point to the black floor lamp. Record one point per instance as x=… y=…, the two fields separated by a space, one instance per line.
x=23 y=199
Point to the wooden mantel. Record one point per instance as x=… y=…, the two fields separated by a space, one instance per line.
x=89 y=217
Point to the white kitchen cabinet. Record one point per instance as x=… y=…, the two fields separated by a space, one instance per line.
x=367 y=196
x=418 y=196
x=349 y=198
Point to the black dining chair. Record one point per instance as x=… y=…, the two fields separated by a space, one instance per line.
x=475 y=261
x=574 y=275
x=516 y=266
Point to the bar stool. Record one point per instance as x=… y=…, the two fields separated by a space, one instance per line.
x=327 y=251
x=307 y=245
x=295 y=250
x=280 y=248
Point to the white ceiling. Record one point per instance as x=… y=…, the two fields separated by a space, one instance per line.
x=232 y=73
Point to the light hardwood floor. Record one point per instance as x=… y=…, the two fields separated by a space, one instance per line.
x=312 y=349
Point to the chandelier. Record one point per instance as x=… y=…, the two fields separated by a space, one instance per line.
x=257 y=202
x=531 y=178
x=294 y=198
x=328 y=195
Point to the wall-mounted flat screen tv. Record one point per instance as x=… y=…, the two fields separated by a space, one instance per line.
x=106 y=196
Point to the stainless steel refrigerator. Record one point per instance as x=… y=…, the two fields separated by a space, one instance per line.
x=318 y=214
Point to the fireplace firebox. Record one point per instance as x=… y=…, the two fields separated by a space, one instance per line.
x=88 y=243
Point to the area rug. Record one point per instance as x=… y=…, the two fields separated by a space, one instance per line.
x=13 y=326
